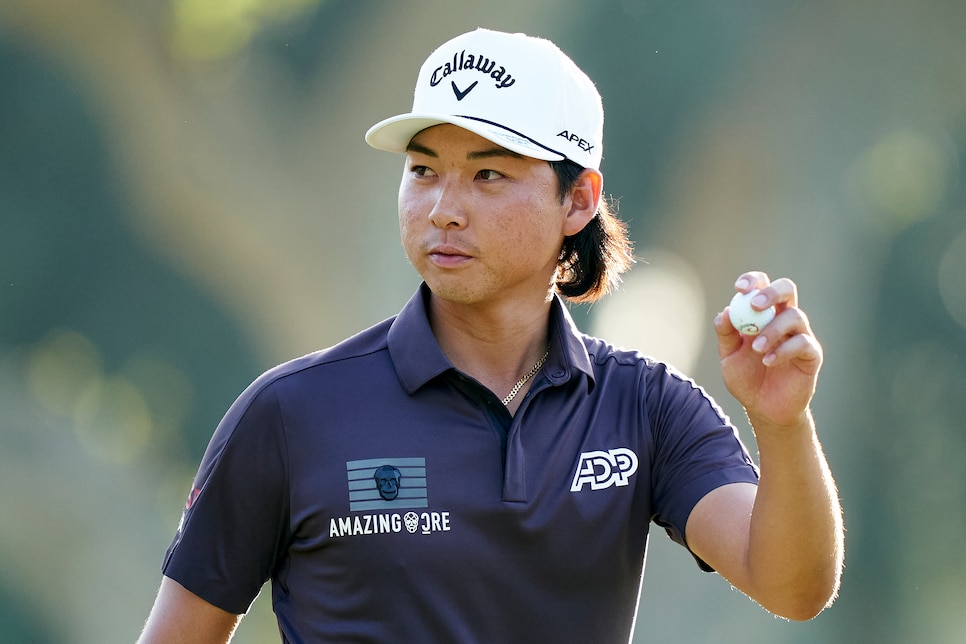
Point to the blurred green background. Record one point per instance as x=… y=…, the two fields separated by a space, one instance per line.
x=186 y=200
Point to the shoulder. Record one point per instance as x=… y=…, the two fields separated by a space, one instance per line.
x=608 y=357
x=356 y=352
x=658 y=384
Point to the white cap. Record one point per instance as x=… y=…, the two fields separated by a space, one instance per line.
x=519 y=92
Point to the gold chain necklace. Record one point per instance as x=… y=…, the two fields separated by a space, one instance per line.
x=522 y=381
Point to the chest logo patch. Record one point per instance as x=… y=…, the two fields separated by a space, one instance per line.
x=388 y=496
x=387 y=484
x=603 y=469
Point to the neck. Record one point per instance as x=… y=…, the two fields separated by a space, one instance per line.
x=496 y=346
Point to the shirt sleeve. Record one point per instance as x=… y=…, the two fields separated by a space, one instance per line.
x=696 y=450
x=234 y=528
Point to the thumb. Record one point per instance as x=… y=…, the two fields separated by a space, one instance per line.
x=729 y=338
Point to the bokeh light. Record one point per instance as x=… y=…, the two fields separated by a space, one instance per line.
x=952 y=277
x=61 y=369
x=211 y=30
x=659 y=310
x=112 y=420
x=901 y=179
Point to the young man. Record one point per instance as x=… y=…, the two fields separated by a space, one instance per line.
x=475 y=469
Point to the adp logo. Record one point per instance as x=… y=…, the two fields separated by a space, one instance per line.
x=604 y=469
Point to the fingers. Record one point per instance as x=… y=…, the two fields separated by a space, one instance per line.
x=781 y=292
x=787 y=338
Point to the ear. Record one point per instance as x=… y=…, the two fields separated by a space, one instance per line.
x=584 y=199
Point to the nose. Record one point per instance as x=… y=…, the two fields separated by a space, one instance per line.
x=448 y=210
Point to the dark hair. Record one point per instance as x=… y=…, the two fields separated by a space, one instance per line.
x=592 y=261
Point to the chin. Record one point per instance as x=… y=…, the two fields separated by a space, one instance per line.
x=453 y=294
x=457 y=290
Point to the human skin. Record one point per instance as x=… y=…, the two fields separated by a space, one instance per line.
x=484 y=226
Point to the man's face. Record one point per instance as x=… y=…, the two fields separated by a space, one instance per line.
x=480 y=223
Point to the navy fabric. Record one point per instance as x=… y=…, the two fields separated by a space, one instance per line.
x=391 y=498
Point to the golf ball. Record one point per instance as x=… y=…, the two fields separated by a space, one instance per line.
x=747 y=320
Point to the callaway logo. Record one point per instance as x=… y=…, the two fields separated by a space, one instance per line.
x=604 y=469
x=461 y=94
x=468 y=62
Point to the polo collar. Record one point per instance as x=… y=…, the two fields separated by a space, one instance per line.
x=418 y=357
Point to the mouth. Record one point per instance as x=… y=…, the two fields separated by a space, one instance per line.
x=447 y=256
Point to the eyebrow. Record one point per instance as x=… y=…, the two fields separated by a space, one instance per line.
x=487 y=153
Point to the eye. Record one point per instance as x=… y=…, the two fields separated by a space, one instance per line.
x=489 y=175
x=421 y=171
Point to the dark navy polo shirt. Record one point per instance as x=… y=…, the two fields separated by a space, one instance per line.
x=391 y=498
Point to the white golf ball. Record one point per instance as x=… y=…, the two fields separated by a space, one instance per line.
x=747 y=320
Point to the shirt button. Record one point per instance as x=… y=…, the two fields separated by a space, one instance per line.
x=558 y=374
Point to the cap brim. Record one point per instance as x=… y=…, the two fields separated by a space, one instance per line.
x=394 y=134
